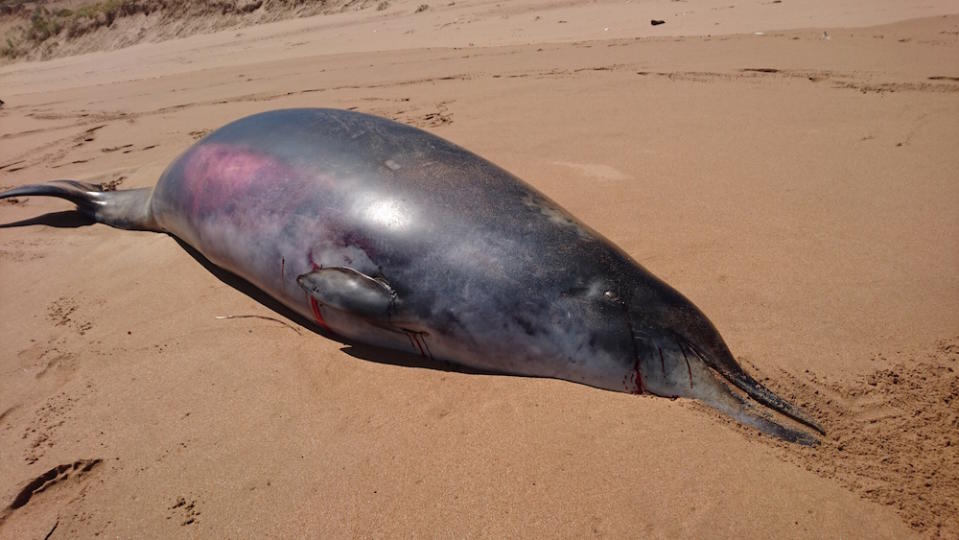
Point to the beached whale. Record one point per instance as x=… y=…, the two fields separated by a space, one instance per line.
x=390 y=236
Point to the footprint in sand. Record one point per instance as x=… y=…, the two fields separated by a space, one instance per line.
x=41 y=432
x=186 y=510
x=53 y=480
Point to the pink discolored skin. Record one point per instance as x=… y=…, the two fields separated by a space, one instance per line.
x=216 y=174
x=224 y=187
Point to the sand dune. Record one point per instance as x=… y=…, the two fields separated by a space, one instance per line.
x=798 y=185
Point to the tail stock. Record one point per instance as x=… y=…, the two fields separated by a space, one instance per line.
x=123 y=209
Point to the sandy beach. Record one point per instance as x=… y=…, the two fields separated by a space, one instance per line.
x=790 y=167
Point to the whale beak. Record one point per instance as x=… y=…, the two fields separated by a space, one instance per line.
x=695 y=362
x=718 y=390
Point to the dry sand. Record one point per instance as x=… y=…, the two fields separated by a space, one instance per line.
x=801 y=190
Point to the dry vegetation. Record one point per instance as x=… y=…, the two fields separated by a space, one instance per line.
x=46 y=29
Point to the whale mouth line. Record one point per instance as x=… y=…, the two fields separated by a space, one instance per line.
x=732 y=378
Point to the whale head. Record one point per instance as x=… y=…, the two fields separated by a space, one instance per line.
x=680 y=353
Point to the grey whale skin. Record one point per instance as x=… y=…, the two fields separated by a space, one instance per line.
x=390 y=236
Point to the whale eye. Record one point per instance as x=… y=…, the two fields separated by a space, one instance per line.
x=611 y=296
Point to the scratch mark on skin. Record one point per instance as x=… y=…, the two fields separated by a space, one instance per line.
x=282 y=269
x=662 y=363
x=426 y=346
x=689 y=370
x=418 y=343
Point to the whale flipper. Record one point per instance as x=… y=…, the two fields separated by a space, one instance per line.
x=349 y=290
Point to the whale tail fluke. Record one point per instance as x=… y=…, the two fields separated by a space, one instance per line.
x=123 y=209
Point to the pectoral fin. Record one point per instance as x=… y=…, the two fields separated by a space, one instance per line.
x=351 y=291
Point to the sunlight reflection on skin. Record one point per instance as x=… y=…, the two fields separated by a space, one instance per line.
x=388 y=213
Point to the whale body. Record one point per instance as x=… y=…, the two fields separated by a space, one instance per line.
x=390 y=236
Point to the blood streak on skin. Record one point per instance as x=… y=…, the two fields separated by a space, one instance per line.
x=637 y=374
x=316 y=312
x=314 y=305
x=639 y=377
